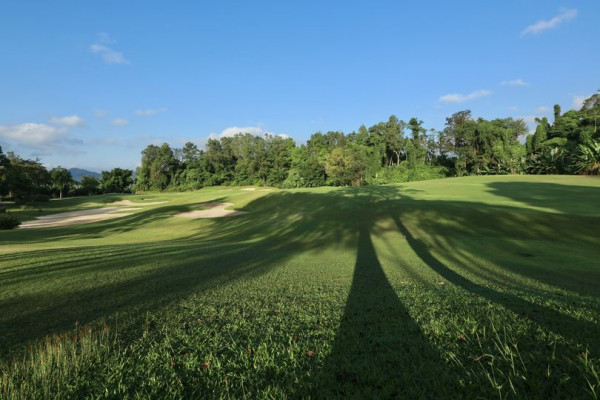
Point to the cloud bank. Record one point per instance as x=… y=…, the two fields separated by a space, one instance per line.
x=253 y=130
x=514 y=82
x=37 y=136
x=119 y=122
x=72 y=120
x=459 y=98
x=544 y=25
x=108 y=54
x=578 y=102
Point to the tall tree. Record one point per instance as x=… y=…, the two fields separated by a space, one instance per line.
x=417 y=150
x=4 y=173
x=541 y=135
x=116 y=180
x=163 y=168
x=159 y=167
x=61 y=179
x=591 y=115
x=27 y=179
x=556 y=112
x=149 y=154
x=89 y=185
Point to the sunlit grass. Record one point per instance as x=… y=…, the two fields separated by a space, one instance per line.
x=470 y=287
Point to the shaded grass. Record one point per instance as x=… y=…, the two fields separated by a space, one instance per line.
x=454 y=288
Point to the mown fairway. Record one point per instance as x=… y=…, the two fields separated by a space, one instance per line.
x=470 y=287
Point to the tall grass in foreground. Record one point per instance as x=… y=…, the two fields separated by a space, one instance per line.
x=54 y=367
x=93 y=363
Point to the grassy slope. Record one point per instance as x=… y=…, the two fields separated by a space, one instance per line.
x=480 y=286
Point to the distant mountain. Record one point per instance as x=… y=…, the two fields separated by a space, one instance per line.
x=78 y=173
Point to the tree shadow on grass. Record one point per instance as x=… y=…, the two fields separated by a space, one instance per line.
x=570 y=199
x=127 y=279
x=96 y=230
x=48 y=291
x=544 y=316
x=377 y=341
x=379 y=351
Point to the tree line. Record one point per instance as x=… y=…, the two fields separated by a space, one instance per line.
x=388 y=152
x=23 y=180
x=391 y=151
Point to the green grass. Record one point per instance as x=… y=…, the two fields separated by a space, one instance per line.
x=480 y=287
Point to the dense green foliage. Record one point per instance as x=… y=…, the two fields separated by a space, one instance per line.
x=26 y=181
x=571 y=145
x=116 y=180
x=61 y=180
x=393 y=151
x=8 y=221
x=89 y=185
x=475 y=287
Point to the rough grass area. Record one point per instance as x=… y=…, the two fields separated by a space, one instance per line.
x=482 y=287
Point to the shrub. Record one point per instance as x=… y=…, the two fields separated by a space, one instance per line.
x=8 y=221
x=293 y=180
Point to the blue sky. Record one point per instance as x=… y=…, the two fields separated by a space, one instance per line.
x=90 y=84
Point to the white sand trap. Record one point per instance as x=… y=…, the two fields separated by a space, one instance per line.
x=131 y=203
x=248 y=188
x=76 y=217
x=215 y=210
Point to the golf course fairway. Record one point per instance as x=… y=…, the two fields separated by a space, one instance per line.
x=474 y=287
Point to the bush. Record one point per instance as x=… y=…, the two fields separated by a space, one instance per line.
x=8 y=221
x=293 y=180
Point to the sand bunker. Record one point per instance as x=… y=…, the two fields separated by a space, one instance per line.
x=248 y=188
x=215 y=210
x=131 y=203
x=87 y=216
x=77 y=217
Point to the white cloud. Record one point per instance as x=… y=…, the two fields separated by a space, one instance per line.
x=100 y=113
x=150 y=111
x=71 y=120
x=542 y=110
x=253 y=130
x=108 y=54
x=543 y=25
x=119 y=122
x=530 y=121
x=513 y=108
x=578 y=102
x=38 y=136
x=514 y=82
x=459 y=98
x=234 y=130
